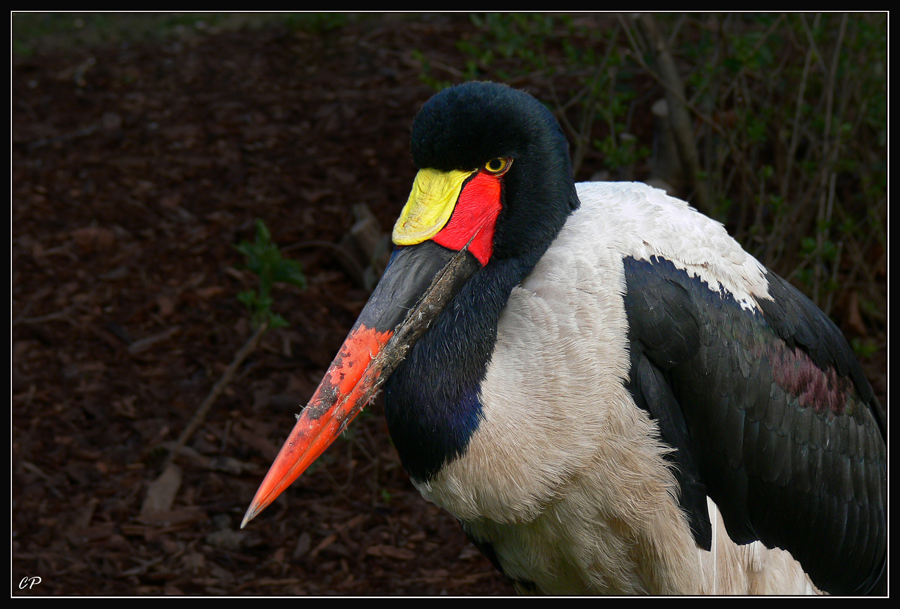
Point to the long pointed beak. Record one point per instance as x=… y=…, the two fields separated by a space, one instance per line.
x=418 y=283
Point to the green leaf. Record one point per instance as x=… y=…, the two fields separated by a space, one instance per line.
x=264 y=259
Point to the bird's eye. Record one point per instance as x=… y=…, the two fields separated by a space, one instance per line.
x=498 y=166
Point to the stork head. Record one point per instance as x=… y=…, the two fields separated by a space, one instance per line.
x=494 y=186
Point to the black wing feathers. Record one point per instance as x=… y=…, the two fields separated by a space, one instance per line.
x=780 y=423
x=650 y=390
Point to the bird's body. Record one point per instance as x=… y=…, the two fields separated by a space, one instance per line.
x=613 y=396
x=562 y=474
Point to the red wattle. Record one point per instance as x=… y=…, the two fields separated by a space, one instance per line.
x=476 y=214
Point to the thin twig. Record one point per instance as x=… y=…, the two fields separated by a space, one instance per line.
x=796 y=130
x=217 y=390
x=678 y=109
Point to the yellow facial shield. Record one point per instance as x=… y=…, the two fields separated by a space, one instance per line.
x=431 y=202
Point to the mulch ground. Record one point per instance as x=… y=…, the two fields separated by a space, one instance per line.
x=135 y=169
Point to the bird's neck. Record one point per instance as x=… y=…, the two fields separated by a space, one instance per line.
x=432 y=401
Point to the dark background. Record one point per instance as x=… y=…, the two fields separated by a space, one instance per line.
x=144 y=146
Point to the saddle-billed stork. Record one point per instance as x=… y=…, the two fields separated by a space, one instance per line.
x=608 y=393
